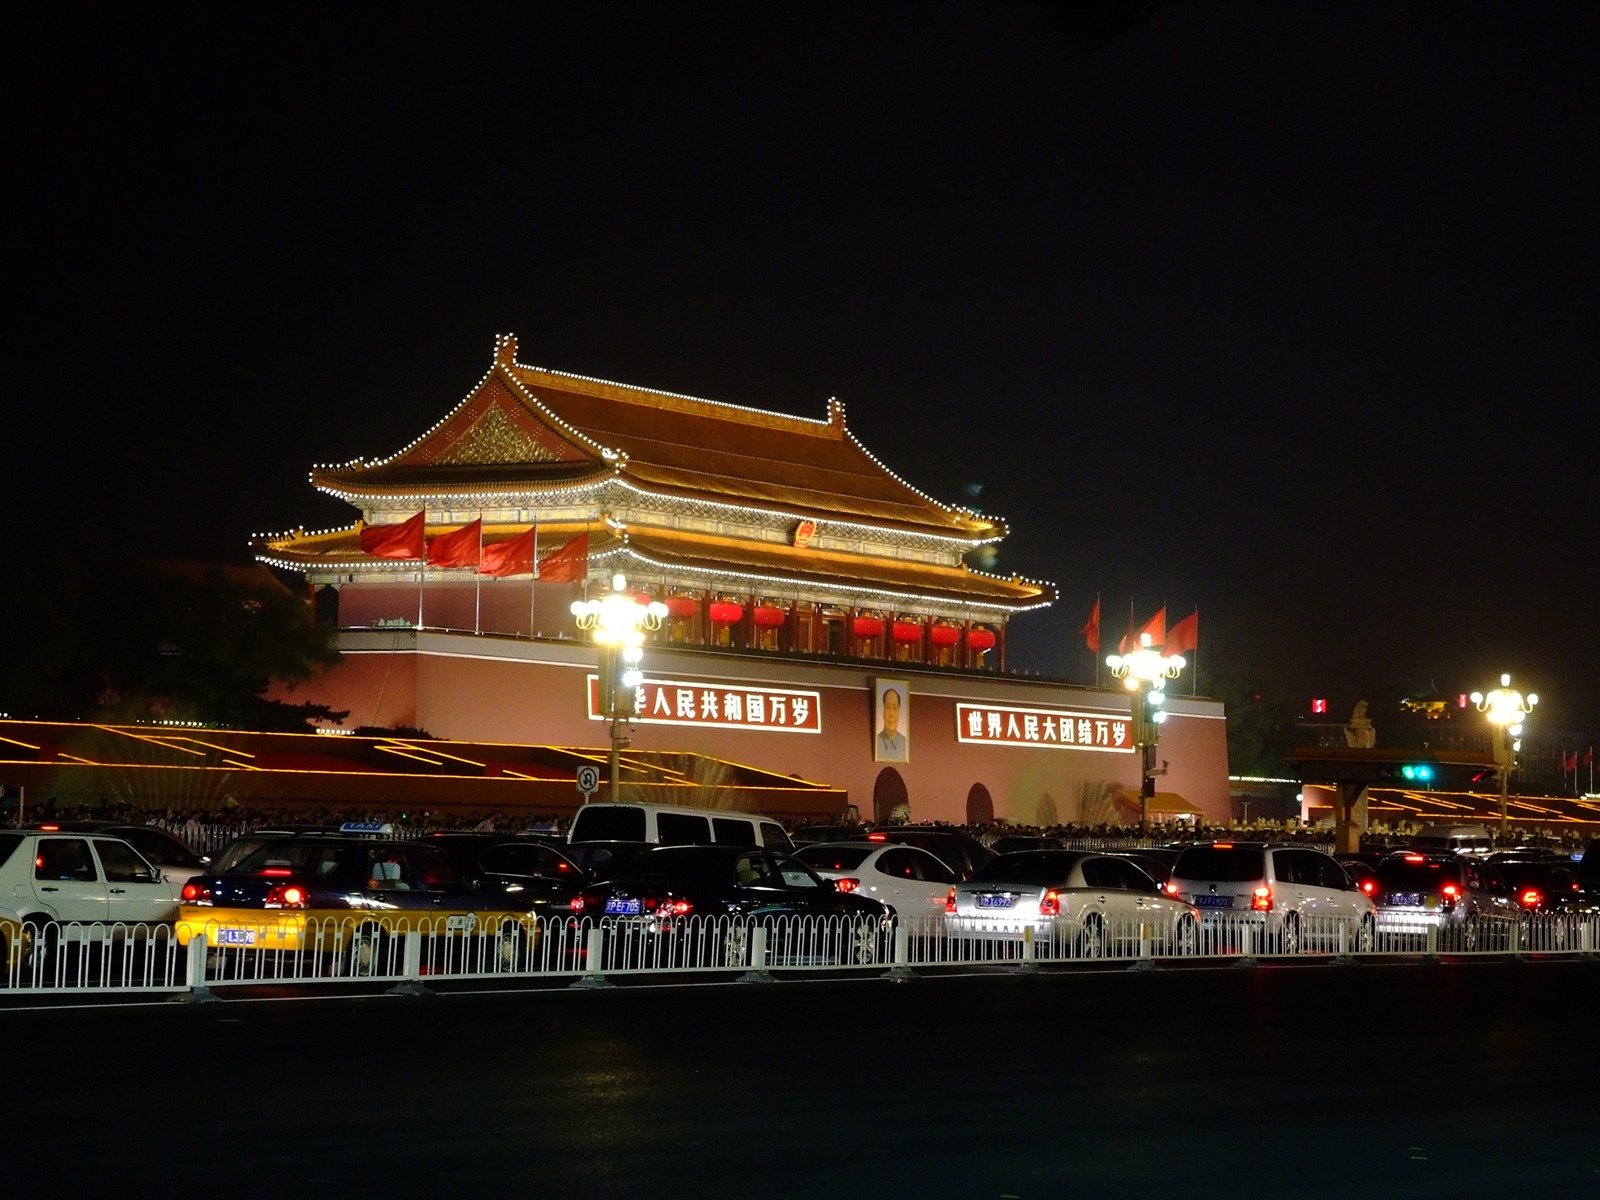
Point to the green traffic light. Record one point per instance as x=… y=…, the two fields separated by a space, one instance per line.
x=1417 y=772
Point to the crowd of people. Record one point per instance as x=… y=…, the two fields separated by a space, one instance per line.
x=207 y=829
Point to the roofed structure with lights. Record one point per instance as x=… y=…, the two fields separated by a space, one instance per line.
x=756 y=528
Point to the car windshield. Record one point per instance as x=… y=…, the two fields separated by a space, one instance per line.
x=825 y=857
x=1028 y=866
x=697 y=862
x=1226 y=864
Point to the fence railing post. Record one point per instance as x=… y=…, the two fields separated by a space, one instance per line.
x=757 y=972
x=411 y=967
x=195 y=972
x=1028 y=965
x=593 y=957
x=900 y=968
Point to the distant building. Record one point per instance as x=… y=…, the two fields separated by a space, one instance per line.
x=796 y=569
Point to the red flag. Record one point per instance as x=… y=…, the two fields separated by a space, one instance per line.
x=1156 y=627
x=458 y=548
x=405 y=540
x=1090 y=633
x=513 y=557
x=1185 y=635
x=570 y=564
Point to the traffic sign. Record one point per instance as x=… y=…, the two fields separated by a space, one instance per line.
x=588 y=779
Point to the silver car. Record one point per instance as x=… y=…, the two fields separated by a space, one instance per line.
x=1282 y=899
x=1464 y=902
x=1070 y=904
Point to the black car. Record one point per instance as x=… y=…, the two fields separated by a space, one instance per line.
x=959 y=851
x=598 y=859
x=515 y=865
x=700 y=906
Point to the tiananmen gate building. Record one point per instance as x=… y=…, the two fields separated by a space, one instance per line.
x=801 y=578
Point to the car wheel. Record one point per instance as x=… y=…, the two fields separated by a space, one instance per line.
x=864 y=943
x=1186 y=939
x=366 y=955
x=736 y=946
x=1092 y=939
x=511 y=947
x=1367 y=935
x=1469 y=932
x=1289 y=936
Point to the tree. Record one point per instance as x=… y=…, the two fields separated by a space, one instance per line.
x=160 y=641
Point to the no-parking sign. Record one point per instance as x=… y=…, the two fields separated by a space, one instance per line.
x=588 y=779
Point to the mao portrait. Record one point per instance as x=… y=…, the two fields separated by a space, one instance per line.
x=892 y=741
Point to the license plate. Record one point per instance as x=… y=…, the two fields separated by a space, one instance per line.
x=236 y=937
x=993 y=900
x=1406 y=899
x=1213 y=901
x=628 y=908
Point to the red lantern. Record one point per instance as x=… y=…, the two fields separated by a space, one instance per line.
x=682 y=607
x=767 y=617
x=868 y=627
x=944 y=635
x=725 y=612
x=907 y=631
x=980 y=638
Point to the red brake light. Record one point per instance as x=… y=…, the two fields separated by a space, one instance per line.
x=847 y=885
x=676 y=908
x=877 y=837
x=285 y=896
x=193 y=891
x=1261 y=899
x=950 y=901
x=1531 y=898
x=1223 y=845
x=1050 y=906
x=1170 y=888
x=1414 y=858
x=276 y=871
x=576 y=904
x=1368 y=886
x=50 y=828
x=1451 y=890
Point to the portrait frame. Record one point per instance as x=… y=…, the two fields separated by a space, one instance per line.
x=892 y=743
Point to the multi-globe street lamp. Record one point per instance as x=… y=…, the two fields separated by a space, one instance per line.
x=619 y=621
x=1506 y=708
x=1145 y=671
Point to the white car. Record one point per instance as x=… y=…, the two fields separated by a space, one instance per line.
x=912 y=881
x=59 y=883
x=1279 y=899
x=1070 y=904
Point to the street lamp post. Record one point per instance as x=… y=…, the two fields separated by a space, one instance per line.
x=619 y=621
x=1505 y=707
x=1145 y=672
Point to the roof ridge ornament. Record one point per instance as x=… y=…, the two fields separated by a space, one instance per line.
x=505 y=349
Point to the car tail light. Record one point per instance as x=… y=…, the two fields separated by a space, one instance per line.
x=1170 y=888
x=1368 y=886
x=950 y=901
x=877 y=837
x=847 y=885
x=675 y=908
x=1050 y=906
x=1261 y=899
x=195 y=893
x=576 y=904
x=1415 y=858
x=286 y=895
x=1531 y=898
x=1451 y=894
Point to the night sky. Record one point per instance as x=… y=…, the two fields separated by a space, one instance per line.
x=1281 y=311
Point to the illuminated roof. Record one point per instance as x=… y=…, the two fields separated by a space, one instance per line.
x=527 y=429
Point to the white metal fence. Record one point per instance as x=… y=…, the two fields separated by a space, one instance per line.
x=108 y=958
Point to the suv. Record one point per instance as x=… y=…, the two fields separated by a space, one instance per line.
x=179 y=861
x=1280 y=898
x=676 y=825
x=1453 y=839
x=61 y=883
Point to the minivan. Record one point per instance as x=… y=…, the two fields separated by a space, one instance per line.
x=1454 y=839
x=671 y=825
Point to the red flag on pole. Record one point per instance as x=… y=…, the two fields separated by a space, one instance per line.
x=1156 y=627
x=512 y=557
x=1185 y=635
x=458 y=548
x=570 y=564
x=405 y=540
x=1090 y=633
x=1588 y=757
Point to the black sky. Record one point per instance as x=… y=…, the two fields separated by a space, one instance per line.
x=1282 y=311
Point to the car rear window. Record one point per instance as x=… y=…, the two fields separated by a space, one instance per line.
x=608 y=825
x=1398 y=875
x=1027 y=866
x=8 y=846
x=831 y=858
x=1226 y=864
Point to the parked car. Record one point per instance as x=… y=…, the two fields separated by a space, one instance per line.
x=514 y=865
x=1278 y=898
x=80 y=886
x=598 y=859
x=178 y=860
x=344 y=900
x=908 y=878
x=807 y=835
x=1362 y=873
x=1464 y=898
x=959 y=851
x=675 y=825
x=698 y=906
x=1079 y=903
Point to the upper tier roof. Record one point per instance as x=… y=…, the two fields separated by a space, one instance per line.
x=527 y=429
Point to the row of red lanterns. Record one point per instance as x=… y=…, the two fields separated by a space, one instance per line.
x=767 y=616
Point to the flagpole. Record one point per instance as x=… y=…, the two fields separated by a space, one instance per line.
x=477 y=571
x=533 y=582
x=1194 y=673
